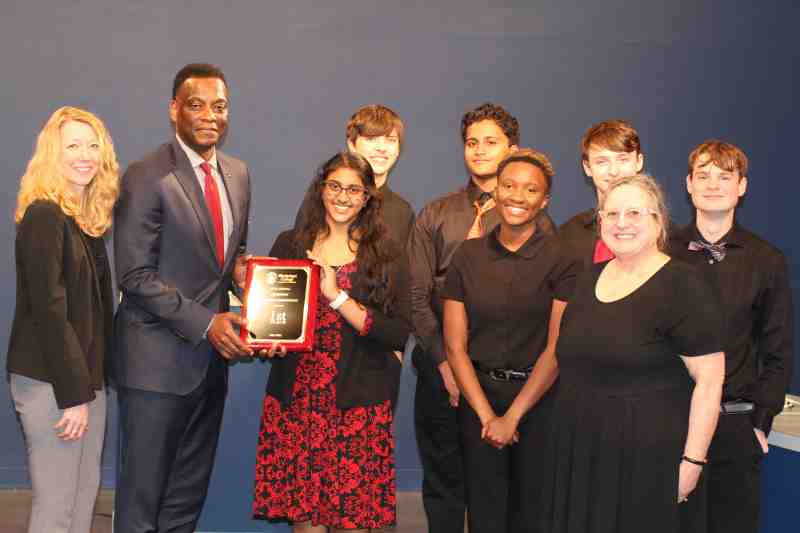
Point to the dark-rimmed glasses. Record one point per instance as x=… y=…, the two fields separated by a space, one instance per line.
x=333 y=188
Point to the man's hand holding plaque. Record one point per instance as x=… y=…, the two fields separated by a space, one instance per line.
x=222 y=335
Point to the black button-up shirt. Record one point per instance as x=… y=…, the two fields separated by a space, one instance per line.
x=508 y=296
x=439 y=230
x=580 y=234
x=397 y=213
x=752 y=282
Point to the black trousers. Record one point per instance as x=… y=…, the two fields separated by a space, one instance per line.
x=436 y=424
x=728 y=496
x=504 y=486
x=167 y=448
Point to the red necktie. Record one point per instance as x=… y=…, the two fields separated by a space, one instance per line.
x=215 y=209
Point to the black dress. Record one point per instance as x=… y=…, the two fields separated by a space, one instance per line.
x=622 y=408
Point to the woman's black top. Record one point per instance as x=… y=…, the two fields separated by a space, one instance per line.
x=368 y=372
x=508 y=296
x=63 y=315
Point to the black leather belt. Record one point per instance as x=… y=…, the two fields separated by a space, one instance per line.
x=736 y=407
x=503 y=374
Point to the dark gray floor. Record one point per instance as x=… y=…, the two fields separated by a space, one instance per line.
x=15 y=506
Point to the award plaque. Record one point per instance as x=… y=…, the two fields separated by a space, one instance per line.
x=280 y=301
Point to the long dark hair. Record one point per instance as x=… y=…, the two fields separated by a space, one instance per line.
x=375 y=251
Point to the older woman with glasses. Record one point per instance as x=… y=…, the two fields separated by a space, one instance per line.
x=326 y=450
x=641 y=374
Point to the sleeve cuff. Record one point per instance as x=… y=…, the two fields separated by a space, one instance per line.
x=437 y=352
x=208 y=327
x=367 y=324
x=433 y=348
x=762 y=419
x=65 y=400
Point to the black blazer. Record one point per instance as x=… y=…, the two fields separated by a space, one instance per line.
x=63 y=315
x=368 y=372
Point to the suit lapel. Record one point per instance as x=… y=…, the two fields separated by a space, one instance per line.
x=188 y=180
x=235 y=192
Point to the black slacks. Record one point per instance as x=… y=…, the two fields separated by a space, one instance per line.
x=167 y=448
x=728 y=496
x=436 y=424
x=503 y=487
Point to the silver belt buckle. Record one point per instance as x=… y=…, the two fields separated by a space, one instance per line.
x=736 y=408
x=520 y=375
x=500 y=374
x=508 y=374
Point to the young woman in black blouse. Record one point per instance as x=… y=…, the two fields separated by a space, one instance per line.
x=326 y=451
x=503 y=299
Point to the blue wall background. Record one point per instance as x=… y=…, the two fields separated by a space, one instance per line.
x=681 y=71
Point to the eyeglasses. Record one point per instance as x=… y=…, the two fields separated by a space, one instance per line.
x=633 y=215
x=333 y=188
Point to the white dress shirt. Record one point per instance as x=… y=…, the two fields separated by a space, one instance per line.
x=196 y=160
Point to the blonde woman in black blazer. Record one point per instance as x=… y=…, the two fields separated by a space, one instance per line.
x=63 y=316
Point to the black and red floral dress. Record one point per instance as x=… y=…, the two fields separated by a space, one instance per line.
x=316 y=462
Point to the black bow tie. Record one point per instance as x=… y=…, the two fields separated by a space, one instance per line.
x=716 y=251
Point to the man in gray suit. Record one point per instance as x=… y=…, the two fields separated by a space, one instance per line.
x=180 y=231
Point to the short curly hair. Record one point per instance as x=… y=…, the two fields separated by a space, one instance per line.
x=532 y=157
x=197 y=70
x=497 y=114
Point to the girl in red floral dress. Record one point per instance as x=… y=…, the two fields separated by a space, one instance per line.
x=326 y=451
